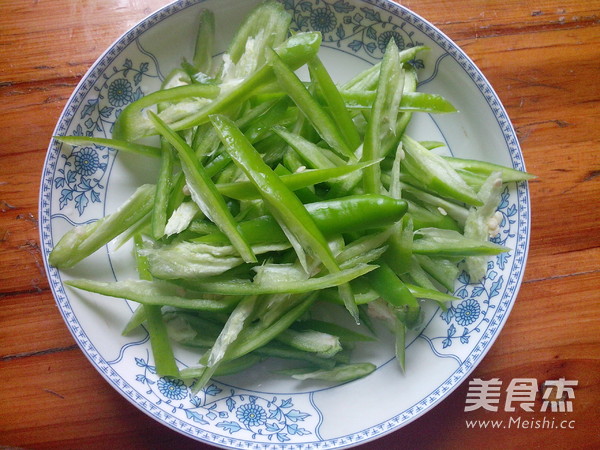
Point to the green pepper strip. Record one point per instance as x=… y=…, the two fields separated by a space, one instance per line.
x=205 y=39
x=226 y=368
x=276 y=349
x=314 y=112
x=475 y=180
x=435 y=173
x=457 y=212
x=137 y=319
x=320 y=158
x=160 y=212
x=365 y=294
x=83 y=240
x=442 y=270
x=400 y=343
x=418 y=275
x=129 y=147
x=335 y=102
x=311 y=341
x=450 y=243
x=130 y=125
x=235 y=323
x=426 y=218
x=294 y=52
x=384 y=111
x=206 y=332
x=429 y=294
x=284 y=205
x=269 y=17
x=387 y=284
x=203 y=190
x=226 y=286
x=486 y=168
x=311 y=153
x=404 y=118
x=367 y=79
x=476 y=225
x=162 y=351
x=257 y=336
x=155 y=292
x=261 y=126
x=399 y=251
x=245 y=190
x=411 y=101
x=345 y=334
x=342 y=215
x=339 y=374
x=163 y=190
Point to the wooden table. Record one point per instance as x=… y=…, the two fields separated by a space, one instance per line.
x=542 y=57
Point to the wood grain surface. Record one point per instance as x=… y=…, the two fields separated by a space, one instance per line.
x=543 y=59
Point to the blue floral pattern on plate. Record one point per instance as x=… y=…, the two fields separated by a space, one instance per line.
x=80 y=176
x=234 y=411
x=364 y=30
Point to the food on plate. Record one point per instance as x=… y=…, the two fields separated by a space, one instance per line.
x=276 y=195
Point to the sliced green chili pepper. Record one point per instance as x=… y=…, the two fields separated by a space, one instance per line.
x=156 y=292
x=314 y=112
x=442 y=270
x=162 y=351
x=367 y=79
x=418 y=275
x=450 y=243
x=129 y=147
x=429 y=217
x=483 y=222
x=387 y=284
x=345 y=334
x=436 y=173
x=276 y=349
x=399 y=252
x=339 y=374
x=400 y=343
x=312 y=341
x=83 y=240
x=245 y=190
x=203 y=51
x=284 y=205
x=270 y=20
x=455 y=211
x=346 y=214
x=203 y=333
x=225 y=286
x=229 y=334
x=131 y=124
x=257 y=336
x=203 y=191
x=163 y=188
x=310 y=152
x=384 y=112
x=335 y=102
x=411 y=102
x=298 y=49
x=486 y=168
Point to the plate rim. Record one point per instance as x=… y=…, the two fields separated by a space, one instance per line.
x=522 y=190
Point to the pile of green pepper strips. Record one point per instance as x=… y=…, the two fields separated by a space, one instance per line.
x=275 y=194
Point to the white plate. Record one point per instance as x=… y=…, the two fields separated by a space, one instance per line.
x=82 y=184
